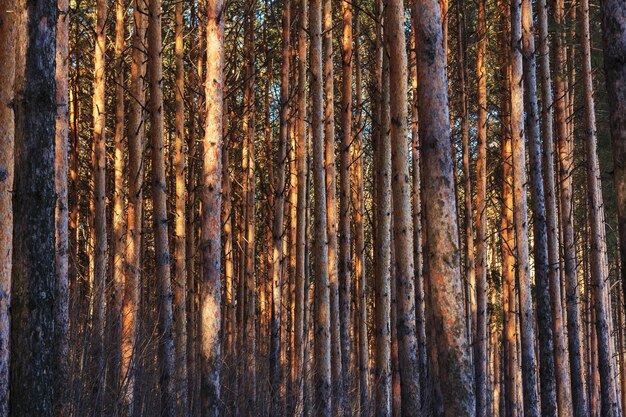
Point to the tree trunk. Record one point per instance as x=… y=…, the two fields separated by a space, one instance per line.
x=180 y=278
x=613 y=35
x=210 y=284
x=598 y=272
x=402 y=221
x=300 y=245
x=563 y=393
x=159 y=200
x=116 y=294
x=99 y=204
x=8 y=37
x=480 y=340
x=277 y=225
x=33 y=377
x=320 y=245
x=565 y=158
x=61 y=305
x=540 y=247
x=442 y=253
x=345 y=260
x=520 y=214
x=132 y=284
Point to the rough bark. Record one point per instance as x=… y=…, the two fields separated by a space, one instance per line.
x=8 y=37
x=540 y=242
x=565 y=162
x=32 y=377
x=402 y=220
x=159 y=201
x=180 y=278
x=563 y=390
x=210 y=284
x=598 y=271
x=442 y=252
x=61 y=305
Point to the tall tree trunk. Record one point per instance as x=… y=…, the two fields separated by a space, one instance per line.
x=159 y=201
x=61 y=305
x=598 y=272
x=331 y=207
x=563 y=390
x=320 y=243
x=382 y=249
x=613 y=35
x=114 y=306
x=360 y=316
x=132 y=279
x=480 y=340
x=99 y=204
x=34 y=270
x=301 y=233
x=180 y=278
x=565 y=159
x=520 y=213
x=277 y=225
x=210 y=284
x=442 y=252
x=8 y=37
x=540 y=246
x=345 y=260
x=402 y=221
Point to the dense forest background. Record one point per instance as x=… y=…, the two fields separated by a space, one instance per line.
x=313 y=207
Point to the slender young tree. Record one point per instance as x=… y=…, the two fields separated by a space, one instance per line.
x=61 y=305
x=565 y=162
x=540 y=242
x=132 y=278
x=402 y=221
x=210 y=284
x=320 y=242
x=598 y=271
x=32 y=377
x=180 y=273
x=8 y=36
x=159 y=202
x=277 y=224
x=99 y=202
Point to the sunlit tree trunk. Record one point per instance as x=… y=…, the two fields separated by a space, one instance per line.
x=8 y=37
x=116 y=293
x=210 y=284
x=180 y=278
x=442 y=251
x=61 y=305
x=132 y=278
x=159 y=200
x=480 y=339
x=402 y=220
x=33 y=370
x=345 y=242
x=565 y=159
x=99 y=203
x=277 y=224
x=320 y=243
